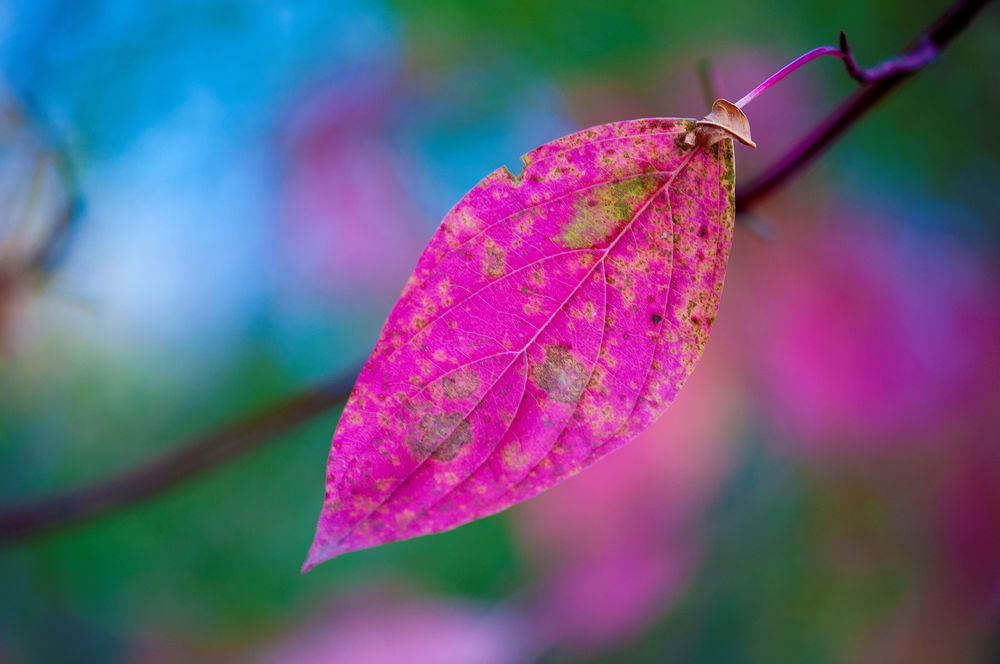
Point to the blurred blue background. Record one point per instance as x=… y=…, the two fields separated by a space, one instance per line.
x=257 y=180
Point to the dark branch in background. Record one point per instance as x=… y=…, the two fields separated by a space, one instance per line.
x=209 y=451
x=21 y=267
x=189 y=459
x=46 y=257
x=40 y=261
x=879 y=81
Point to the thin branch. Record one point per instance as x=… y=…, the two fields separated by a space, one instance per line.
x=187 y=460
x=210 y=451
x=880 y=81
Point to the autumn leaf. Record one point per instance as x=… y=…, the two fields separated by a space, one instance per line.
x=552 y=318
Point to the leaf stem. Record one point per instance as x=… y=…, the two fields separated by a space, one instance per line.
x=210 y=451
x=879 y=81
x=817 y=52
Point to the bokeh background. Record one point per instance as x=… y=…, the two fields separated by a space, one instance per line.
x=244 y=188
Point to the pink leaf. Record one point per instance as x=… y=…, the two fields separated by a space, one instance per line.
x=552 y=318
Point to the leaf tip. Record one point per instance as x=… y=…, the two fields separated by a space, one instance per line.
x=313 y=558
x=320 y=552
x=323 y=548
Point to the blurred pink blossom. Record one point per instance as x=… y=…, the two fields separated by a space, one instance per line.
x=415 y=631
x=618 y=542
x=609 y=596
x=864 y=333
x=350 y=226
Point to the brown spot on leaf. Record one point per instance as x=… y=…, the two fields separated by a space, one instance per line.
x=562 y=376
x=494 y=259
x=453 y=444
x=440 y=435
x=513 y=457
x=460 y=384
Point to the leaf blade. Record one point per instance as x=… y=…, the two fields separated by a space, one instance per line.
x=493 y=356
